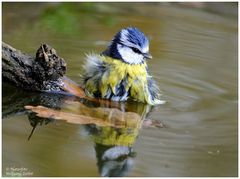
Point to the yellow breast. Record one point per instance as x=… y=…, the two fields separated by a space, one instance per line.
x=136 y=76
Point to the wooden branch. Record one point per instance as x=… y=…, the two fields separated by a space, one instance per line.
x=106 y=116
x=45 y=72
x=16 y=67
x=76 y=113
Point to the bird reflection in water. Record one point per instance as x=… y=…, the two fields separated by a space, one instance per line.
x=113 y=146
x=114 y=160
x=113 y=130
x=114 y=135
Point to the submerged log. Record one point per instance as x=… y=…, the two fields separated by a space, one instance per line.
x=45 y=72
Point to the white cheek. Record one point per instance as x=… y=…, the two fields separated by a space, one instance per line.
x=129 y=56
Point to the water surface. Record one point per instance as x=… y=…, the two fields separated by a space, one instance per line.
x=195 y=64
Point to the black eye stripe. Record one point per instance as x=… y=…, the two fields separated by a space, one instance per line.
x=133 y=48
x=136 y=50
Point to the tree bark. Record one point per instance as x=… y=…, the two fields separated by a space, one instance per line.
x=45 y=72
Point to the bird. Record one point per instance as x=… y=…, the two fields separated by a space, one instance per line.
x=121 y=72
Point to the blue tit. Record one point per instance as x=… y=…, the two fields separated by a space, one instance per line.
x=121 y=72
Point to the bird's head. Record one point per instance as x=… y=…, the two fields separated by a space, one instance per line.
x=130 y=45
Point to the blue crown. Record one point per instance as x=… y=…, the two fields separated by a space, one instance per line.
x=134 y=36
x=131 y=37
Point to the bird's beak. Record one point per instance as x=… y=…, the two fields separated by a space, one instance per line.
x=147 y=55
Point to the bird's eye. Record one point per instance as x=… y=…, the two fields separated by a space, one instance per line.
x=136 y=50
